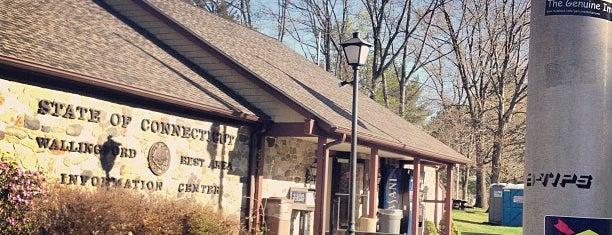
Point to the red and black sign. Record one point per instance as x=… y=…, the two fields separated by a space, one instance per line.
x=566 y=225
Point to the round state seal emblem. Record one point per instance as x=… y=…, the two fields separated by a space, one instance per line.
x=159 y=158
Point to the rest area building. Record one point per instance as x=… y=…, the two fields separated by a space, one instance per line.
x=162 y=97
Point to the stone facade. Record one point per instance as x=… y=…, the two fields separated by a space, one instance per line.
x=286 y=163
x=88 y=142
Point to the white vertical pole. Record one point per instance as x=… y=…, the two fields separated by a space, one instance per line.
x=568 y=159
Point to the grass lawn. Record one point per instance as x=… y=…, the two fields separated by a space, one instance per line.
x=476 y=221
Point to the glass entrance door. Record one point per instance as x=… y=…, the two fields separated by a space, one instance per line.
x=340 y=192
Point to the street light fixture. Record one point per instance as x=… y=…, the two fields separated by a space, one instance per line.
x=356 y=52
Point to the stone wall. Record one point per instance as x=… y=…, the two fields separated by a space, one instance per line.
x=286 y=162
x=90 y=143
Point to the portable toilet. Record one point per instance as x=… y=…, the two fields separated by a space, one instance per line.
x=496 y=193
x=512 y=214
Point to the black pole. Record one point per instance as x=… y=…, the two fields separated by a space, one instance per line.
x=353 y=158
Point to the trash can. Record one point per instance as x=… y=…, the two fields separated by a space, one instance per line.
x=367 y=225
x=496 y=193
x=389 y=220
x=278 y=215
x=513 y=205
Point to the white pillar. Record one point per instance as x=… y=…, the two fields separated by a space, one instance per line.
x=568 y=162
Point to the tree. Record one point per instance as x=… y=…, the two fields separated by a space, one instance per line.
x=394 y=24
x=313 y=27
x=451 y=125
x=327 y=21
x=235 y=10
x=283 y=6
x=418 y=111
x=488 y=39
x=509 y=71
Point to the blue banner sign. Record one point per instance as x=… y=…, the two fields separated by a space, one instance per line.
x=592 y=8
x=392 y=189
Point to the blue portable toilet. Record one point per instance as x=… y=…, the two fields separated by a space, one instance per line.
x=512 y=212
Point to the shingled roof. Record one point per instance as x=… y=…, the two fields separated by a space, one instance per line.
x=304 y=82
x=85 y=38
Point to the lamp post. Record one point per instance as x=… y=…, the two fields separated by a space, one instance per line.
x=356 y=52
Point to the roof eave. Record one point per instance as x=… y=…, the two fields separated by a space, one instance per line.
x=108 y=84
x=405 y=148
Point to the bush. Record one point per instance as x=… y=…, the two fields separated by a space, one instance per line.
x=111 y=210
x=201 y=222
x=18 y=189
x=443 y=228
x=430 y=228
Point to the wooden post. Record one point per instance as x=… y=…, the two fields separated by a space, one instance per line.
x=322 y=194
x=416 y=190
x=448 y=202
x=436 y=207
x=373 y=173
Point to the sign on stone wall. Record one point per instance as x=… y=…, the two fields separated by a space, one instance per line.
x=87 y=142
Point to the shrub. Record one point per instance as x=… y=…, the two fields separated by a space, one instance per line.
x=430 y=228
x=200 y=222
x=18 y=189
x=443 y=228
x=121 y=211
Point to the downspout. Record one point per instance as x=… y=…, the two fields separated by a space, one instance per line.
x=255 y=181
x=340 y=140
